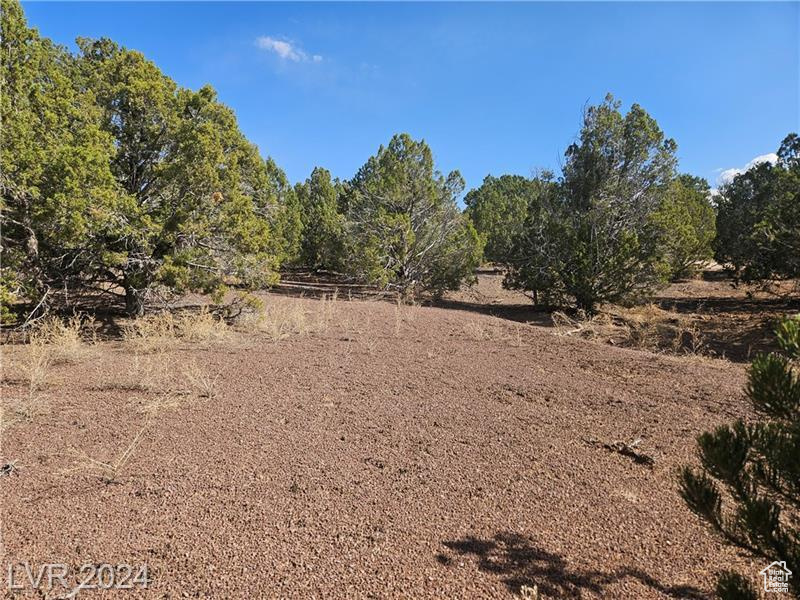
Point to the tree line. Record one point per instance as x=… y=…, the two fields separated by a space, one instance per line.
x=118 y=184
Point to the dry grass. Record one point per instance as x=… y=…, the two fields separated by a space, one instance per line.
x=203 y=327
x=151 y=333
x=143 y=373
x=646 y=327
x=405 y=314
x=476 y=330
x=63 y=339
x=50 y=342
x=327 y=311
x=202 y=381
x=153 y=407
x=164 y=331
x=280 y=318
x=107 y=471
x=515 y=338
x=22 y=410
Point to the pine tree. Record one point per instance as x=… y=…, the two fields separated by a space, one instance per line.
x=757 y=465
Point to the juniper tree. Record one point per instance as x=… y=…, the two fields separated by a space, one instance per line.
x=114 y=178
x=595 y=239
x=685 y=220
x=758 y=218
x=200 y=201
x=323 y=226
x=405 y=229
x=59 y=198
x=498 y=209
x=758 y=467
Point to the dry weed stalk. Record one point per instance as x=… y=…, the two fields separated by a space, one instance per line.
x=35 y=367
x=280 y=319
x=516 y=338
x=203 y=326
x=477 y=330
x=201 y=380
x=145 y=373
x=155 y=333
x=328 y=307
x=161 y=403
x=107 y=471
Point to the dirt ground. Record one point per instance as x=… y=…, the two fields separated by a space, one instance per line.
x=710 y=315
x=372 y=451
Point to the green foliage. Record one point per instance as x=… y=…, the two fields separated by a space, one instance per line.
x=686 y=222
x=498 y=209
x=114 y=177
x=594 y=239
x=322 y=245
x=773 y=386
x=288 y=218
x=758 y=218
x=404 y=227
x=788 y=335
x=59 y=197
x=757 y=465
x=200 y=195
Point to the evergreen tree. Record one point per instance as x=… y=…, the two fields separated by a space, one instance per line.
x=114 y=178
x=758 y=219
x=498 y=209
x=595 y=239
x=322 y=245
x=757 y=464
x=686 y=223
x=406 y=231
x=59 y=199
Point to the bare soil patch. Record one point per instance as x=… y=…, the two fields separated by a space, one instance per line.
x=373 y=450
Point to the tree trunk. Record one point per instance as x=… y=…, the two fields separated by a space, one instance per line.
x=134 y=301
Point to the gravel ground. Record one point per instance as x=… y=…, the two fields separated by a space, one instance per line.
x=394 y=453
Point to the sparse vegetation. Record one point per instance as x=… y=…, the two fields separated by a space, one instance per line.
x=164 y=331
x=282 y=424
x=756 y=465
x=108 y=471
x=201 y=380
x=646 y=327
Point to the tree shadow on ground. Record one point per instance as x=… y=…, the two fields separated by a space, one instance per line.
x=519 y=562
x=522 y=313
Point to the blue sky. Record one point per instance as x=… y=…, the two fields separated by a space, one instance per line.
x=493 y=88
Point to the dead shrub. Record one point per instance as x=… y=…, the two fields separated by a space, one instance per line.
x=647 y=327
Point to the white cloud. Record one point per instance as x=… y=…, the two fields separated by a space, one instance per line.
x=727 y=175
x=285 y=49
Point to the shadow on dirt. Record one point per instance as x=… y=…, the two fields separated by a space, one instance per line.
x=521 y=313
x=519 y=562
